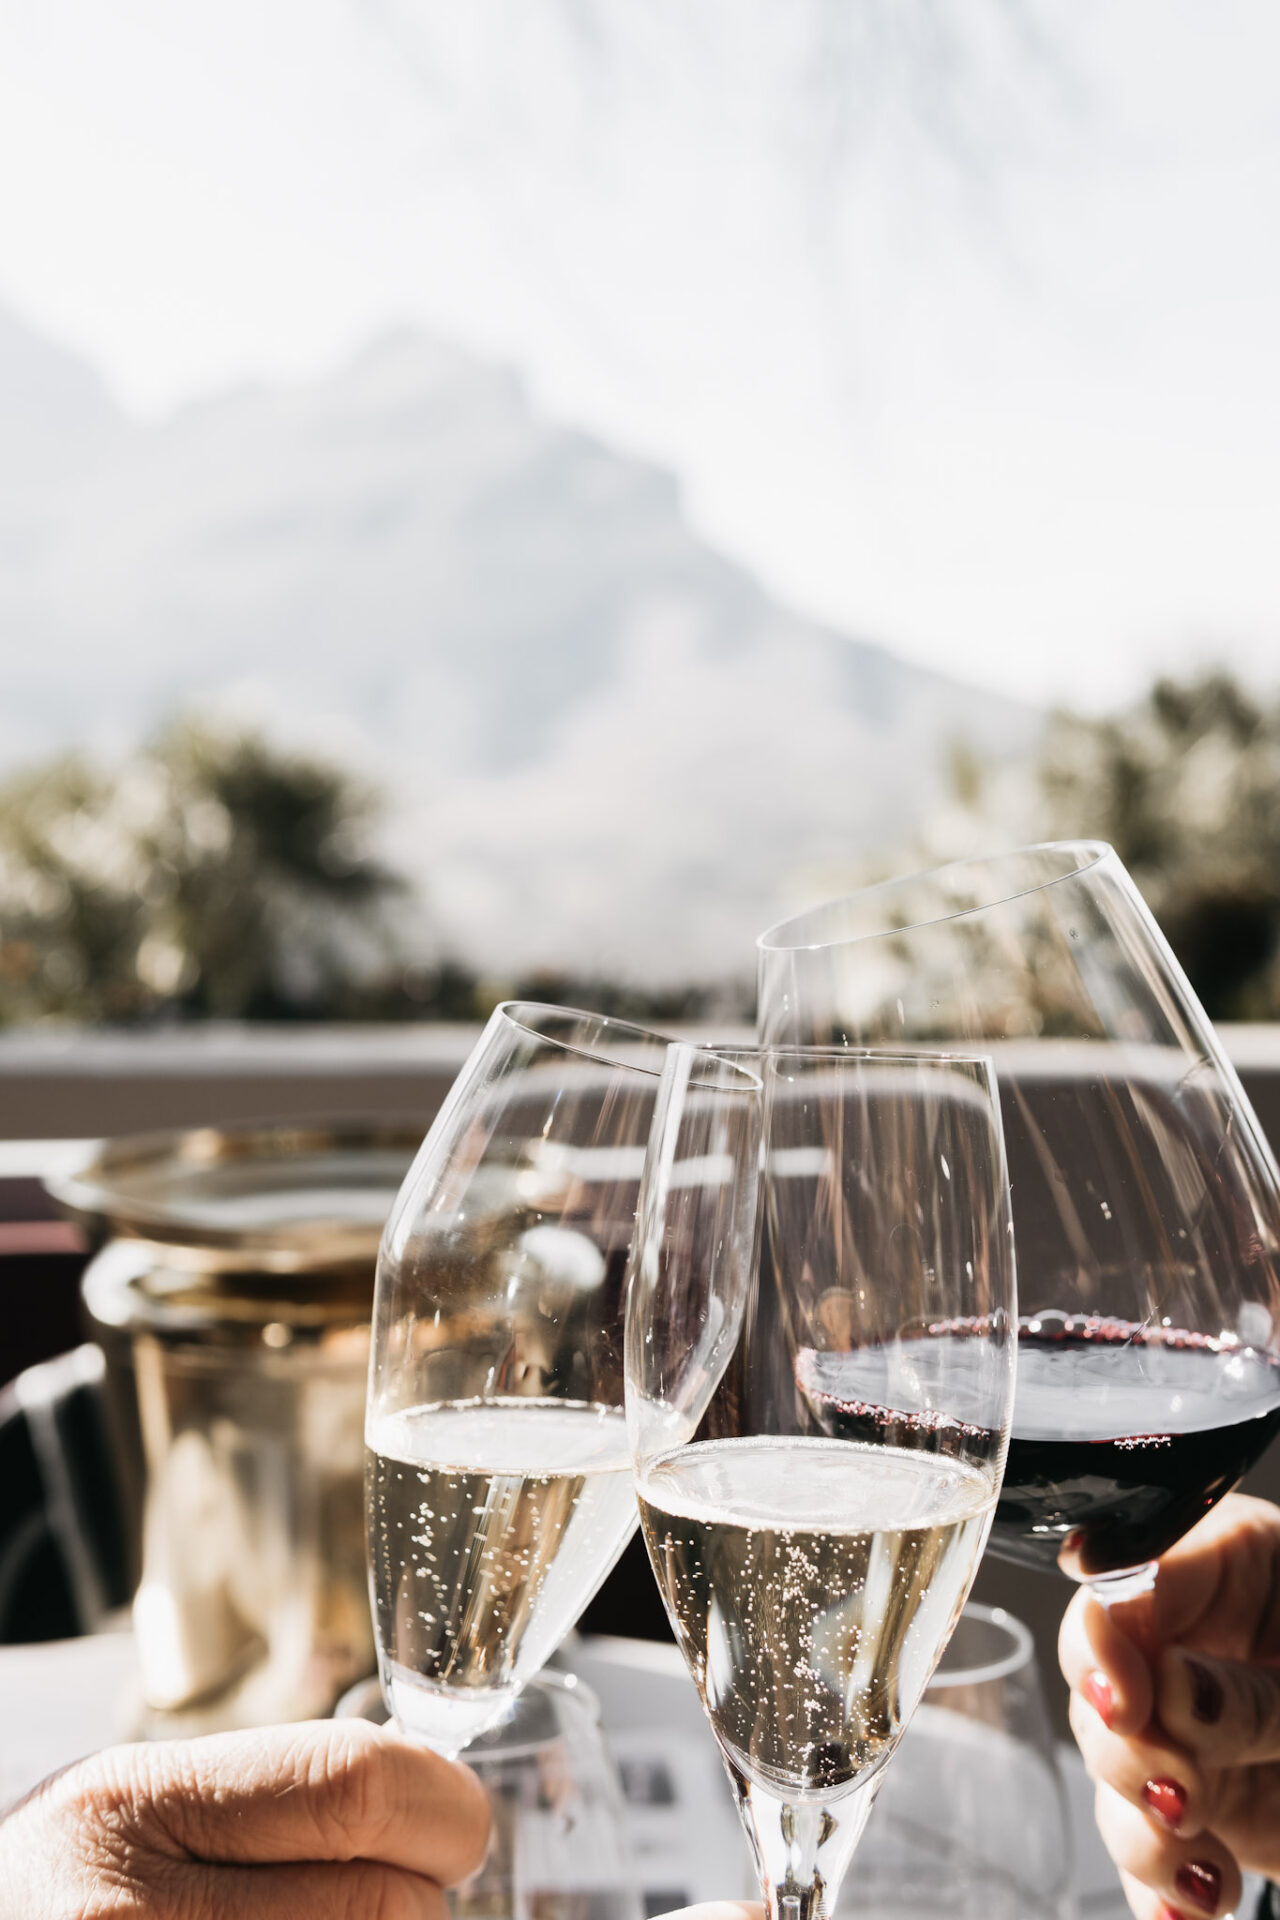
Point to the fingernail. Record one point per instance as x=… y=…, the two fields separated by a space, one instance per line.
x=1170 y=1913
x=1166 y=1798
x=1201 y=1883
x=1096 y=1689
x=1206 y=1693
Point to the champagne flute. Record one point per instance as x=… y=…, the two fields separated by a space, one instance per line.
x=498 y=1476
x=1146 y=1201
x=815 y=1524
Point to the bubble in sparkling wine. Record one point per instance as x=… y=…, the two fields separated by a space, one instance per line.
x=492 y=1524
x=813 y=1585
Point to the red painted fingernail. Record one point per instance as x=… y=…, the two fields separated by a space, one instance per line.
x=1201 y=1883
x=1170 y=1913
x=1166 y=1798
x=1096 y=1689
x=1206 y=1693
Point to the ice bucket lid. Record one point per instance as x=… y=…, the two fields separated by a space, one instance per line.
x=293 y=1196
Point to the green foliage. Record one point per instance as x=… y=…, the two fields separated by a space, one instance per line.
x=212 y=874
x=215 y=876
x=727 y=1003
x=1187 y=789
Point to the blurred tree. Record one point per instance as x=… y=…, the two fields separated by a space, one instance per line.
x=1186 y=787
x=729 y=1002
x=213 y=874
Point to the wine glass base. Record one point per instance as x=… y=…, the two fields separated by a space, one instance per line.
x=1128 y=1584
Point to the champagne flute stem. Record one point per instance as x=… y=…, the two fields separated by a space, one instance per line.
x=803 y=1846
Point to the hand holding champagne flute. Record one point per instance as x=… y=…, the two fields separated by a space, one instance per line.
x=815 y=1528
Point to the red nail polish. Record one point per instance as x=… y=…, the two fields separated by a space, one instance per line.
x=1166 y=1798
x=1170 y=1913
x=1200 y=1882
x=1096 y=1689
x=1206 y=1693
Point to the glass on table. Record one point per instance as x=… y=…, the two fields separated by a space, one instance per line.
x=1146 y=1201
x=499 y=1488
x=814 y=1525
x=972 y=1820
x=559 y=1848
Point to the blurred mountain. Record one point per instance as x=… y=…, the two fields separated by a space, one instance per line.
x=606 y=746
x=54 y=407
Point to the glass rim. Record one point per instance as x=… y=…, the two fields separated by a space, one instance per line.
x=531 y=1017
x=1022 y=1651
x=1091 y=853
x=534 y=1017
x=923 y=1056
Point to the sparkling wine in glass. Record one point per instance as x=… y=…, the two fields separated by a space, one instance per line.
x=1146 y=1202
x=498 y=1475
x=813 y=1565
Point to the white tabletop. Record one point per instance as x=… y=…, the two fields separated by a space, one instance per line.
x=65 y=1699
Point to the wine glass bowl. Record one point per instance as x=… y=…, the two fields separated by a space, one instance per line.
x=1145 y=1200
x=497 y=1470
x=815 y=1497
x=973 y=1822
x=558 y=1843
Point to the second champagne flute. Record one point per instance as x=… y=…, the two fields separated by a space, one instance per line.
x=815 y=1533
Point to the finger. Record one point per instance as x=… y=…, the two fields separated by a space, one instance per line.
x=325 y=1790
x=1225 y=1711
x=1194 y=1877
x=333 y=1890
x=1218 y=1585
x=1104 y=1666
x=1155 y=1776
x=1144 y=1904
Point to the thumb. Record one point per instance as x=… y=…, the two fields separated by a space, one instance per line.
x=1227 y=1712
x=317 y=1790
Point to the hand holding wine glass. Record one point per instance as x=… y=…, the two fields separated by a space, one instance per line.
x=1175 y=1704
x=312 y=1821
x=814 y=1529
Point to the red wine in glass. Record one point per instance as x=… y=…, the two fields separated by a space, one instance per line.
x=1123 y=1436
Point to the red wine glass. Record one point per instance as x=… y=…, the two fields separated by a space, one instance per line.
x=1146 y=1202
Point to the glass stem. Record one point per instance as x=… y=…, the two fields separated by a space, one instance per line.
x=1112 y=1587
x=803 y=1846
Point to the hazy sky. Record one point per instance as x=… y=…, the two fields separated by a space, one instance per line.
x=959 y=322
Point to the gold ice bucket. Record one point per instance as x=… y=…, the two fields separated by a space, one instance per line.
x=231 y=1297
